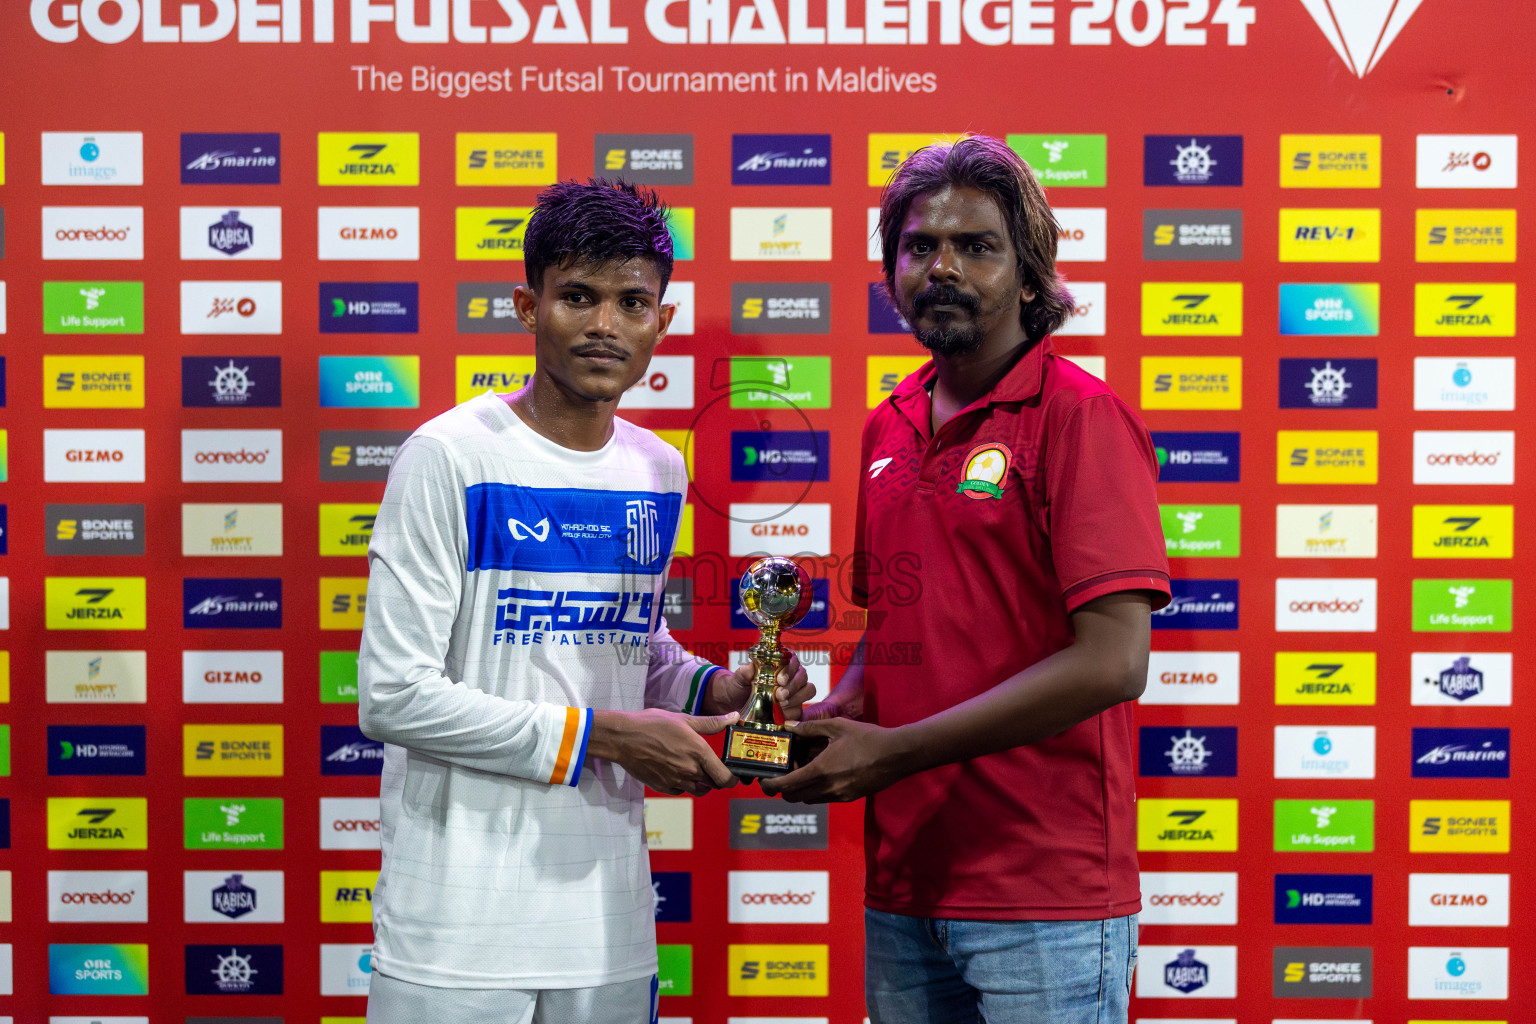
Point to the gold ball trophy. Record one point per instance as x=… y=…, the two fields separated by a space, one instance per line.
x=775 y=594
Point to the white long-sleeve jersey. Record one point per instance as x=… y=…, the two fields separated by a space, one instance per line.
x=514 y=586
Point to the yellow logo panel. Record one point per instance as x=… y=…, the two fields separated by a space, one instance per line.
x=472 y=375
x=797 y=970
x=95 y=602
x=98 y=823
x=2 y=158
x=887 y=151
x=1186 y=825
x=227 y=750
x=504 y=158
x=885 y=372
x=684 y=546
x=1330 y=236
x=1463 y=310
x=1464 y=236
x=347 y=896
x=5 y=677
x=93 y=382
x=1328 y=677
x=343 y=599
x=370 y=158
x=1330 y=161
x=1463 y=531
x=1326 y=456
x=1208 y=309
x=346 y=529
x=1191 y=382
x=1458 y=826
x=682 y=440
x=490 y=232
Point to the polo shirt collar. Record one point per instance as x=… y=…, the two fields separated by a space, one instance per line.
x=1022 y=382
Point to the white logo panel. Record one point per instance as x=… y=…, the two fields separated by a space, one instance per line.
x=1084 y=231
x=774 y=529
x=231 y=307
x=1325 y=605
x=1458 y=901
x=93 y=232
x=1458 y=972
x=1213 y=967
x=1325 y=531
x=370 y=233
x=93 y=158
x=345 y=970
x=1464 y=456
x=231 y=456
x=1192 y=677
x=93 y=456
x=780 y=897
x=231 y=232
x=876 y=248
x=1189 y=897
x=349 y=823
x=232 y=677
x=1474 y=384
x=232 y=897
x=1088 y=317
x=2 y=307
x=667 y=384
x=680 y=294
x=1457 y=679
x=781 y=233
x=98 y=896
x=1468 y=161
x=1325 y=752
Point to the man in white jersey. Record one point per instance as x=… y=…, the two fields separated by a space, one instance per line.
x=516 y=664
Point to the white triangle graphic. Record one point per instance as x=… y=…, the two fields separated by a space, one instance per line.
x=1361 y=30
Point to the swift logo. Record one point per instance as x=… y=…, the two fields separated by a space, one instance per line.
x=1360 y=33
x=521 y=531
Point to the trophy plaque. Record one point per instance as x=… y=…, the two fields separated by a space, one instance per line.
x=775 y=594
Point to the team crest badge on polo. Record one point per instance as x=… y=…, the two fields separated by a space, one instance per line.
x=986 y=466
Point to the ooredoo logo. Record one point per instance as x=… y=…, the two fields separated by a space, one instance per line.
x=220 y=456
x=98 y=896
x=1189 y=897
x=778 y=897
x=93 y=232
x=1463 y=457
x=349 y=823
x=1326 y=605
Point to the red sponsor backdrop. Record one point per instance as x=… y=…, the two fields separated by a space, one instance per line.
x=1454 y=68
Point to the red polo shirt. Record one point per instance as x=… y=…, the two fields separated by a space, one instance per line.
x=978 y=542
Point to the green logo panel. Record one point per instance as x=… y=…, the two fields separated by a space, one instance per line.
x=233 y=823
x=1202 y=531
x=674 y=970
x=93 y=307
x=338 y=677
x=1463 y=606
x=5 y=750
x=1059 y=160
x=781 y=382
x=1325 y=826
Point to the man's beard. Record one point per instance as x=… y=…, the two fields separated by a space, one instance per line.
x=954 y=335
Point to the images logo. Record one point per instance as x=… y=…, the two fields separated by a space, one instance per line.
x=231 y=750
x=93 y=382
x=1343 y=678
x=1322 y=972
x=1201 y=531
x=231 y=382
x=356 y=455
x=794 y=970
x=1327 y=383
x=96 y=750
x=1463 y=531
x=782 y=455
x=1178 y=972
x=504 y=158
x=1325 y=825
x=1199 y=604
x=1471 y=384
x=374 y=158
x=1326 y=456
x=1185 y=309
x=1462 y=972
x=1461 y=753
x=94 y=158
x=233 y=970
x=98 y=969
x=95 y=602
x=253 y=158
x=93 y=529
x=220 y=233
x=1462 y=606
x=1467 y=161
x=1360 y=34
x=1192 y=160
x=1198 y=457
x=1457 y=680
x=1181 y=824
x=93 y=232
x=1191 y=382
x=490 y=232
x=1188 y=753
x=1463 y=310
x=98 y=823
x=1323 y=899
x=1192 y=234
x=1342 y=310
x=235 y=823
x=773 y=825
x=370 y=382
x=1330 y=161
x=232 y=603
x=1464 y=236
x=1335 y=752
x=781 y=159
x=368 y=308
x=646 y=159
x=93 y=307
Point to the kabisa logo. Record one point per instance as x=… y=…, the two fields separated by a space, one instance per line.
x=1197 y=456
x=98 y=969
x=1360 y=33
x=1188 y=753
x=1327 y=384
x=1192 y=235
x=231 y=382
x=1063 y=160
x=1482 y=310
x=781 y=308
x=357 y=455
x=95 y=602
x=93 y=158
x=1322 y=972
x=232 y=603
x=234 y=970
x=1185 y=973
x=1186 y=824
x=368 y=307
x=1461 y=753
x=780 y=455
x=221 y=233
x=487 y=308
x=645 y=159
x=98 y=823
x=1192 y=308
x=490 y=232
x=1330 y=161
x=1199 y=604
x=1463 y=680
x=1470 y=384
x=370 y=382
x=1192 y=160
x=373 y=158
x=1468 y=161
x=1323 y=899
x=230 y=235
x=781 y=159
x=96 y=750
x=344 y=750
x=233 y=899
x=1330 y=309
x=504 y=158
x=210 y=158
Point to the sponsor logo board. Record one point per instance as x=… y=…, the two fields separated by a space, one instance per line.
x=1191 y=382
x=338 y=676
x=344 y=600
x=759 y=528
x=1330 y=236
x=1464 y=385
x=231 y=307
x=486 y=307
x=1344 y=678
x=674 y=895
x=1199 y=604
x=1186 y=824
x=669 y=823
x=780 y=455
x=1331 y=752
x=781 y=159
x=93 y=529
x=96 y=749
x=1325 y=605
x=1459 y=679
x=1084 y=234
x=93 y=456
x=1061 y=161
x=347 y=896
x=232 y=677
x=1192 y=677
x=98 y=969
x=1089 y=311
x=1323 y=899
x=1460 y=753
x=778 y=233
x=344 y=750
x=1189 y=897
x=232 y=823
x=345 y=970
x=1325 y=826
x=93 y=382
x=231 y=750
x=490 y=232
x=1328 y=383
x=1463 y=531
x=777 y=382
x=1326 y=456
x=1192 y=309
x=473 y=375
x=95 y=602
x=370 y=382
x=358 y=455
x=90 y=677
x=346 y=529
x=1201 y=531
x=782 y=970
x=667 y=384
x=770 y=308
x=119 y=897
x=1187 y=972
x=234 y=969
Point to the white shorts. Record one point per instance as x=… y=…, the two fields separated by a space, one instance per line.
x=392 y=1001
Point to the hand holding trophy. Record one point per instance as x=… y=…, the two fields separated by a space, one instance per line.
x=775 y=594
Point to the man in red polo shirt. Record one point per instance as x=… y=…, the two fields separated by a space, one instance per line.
x=1007 y=524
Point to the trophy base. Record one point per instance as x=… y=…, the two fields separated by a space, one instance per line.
x=755 y=752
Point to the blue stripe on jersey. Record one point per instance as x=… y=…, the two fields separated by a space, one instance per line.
x=566 y=529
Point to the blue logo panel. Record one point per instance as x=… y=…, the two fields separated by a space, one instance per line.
x=344 y=750
x=2 y=382
x=232 y=603
x=96 y=750
x=1327 y=383
x=5 y=823
x=1323 y=899
x=1461 y=753
x=1192 y=160
x=231 y=969
x=1198 y=456
x=5 y=530
x=368 y=307
x=230 y=158
x=1199 y=604
x=780 y=455
x=781 y=159
x=560 y=529
x=1188 y=752
x=231 y=382
x=674 y=895
x=814 y=619
x=883 y=317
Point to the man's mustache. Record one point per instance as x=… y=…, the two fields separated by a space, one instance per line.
x=944 y=295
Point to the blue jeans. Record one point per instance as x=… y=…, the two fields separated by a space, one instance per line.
x=921 y=970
